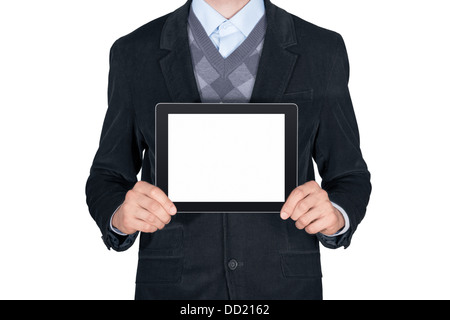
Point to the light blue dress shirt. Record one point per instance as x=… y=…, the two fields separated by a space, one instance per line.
x=227 y=35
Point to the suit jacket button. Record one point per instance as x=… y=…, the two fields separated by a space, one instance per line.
x=232 y=264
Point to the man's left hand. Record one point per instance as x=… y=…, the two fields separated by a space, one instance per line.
x=308 y=205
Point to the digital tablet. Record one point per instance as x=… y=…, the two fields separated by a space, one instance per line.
x=226 y=157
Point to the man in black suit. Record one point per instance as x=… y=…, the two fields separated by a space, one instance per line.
x=229 y=256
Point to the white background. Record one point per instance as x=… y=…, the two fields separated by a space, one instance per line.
x=53 y=78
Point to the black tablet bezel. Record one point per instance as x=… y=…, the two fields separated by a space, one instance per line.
x=290 y=110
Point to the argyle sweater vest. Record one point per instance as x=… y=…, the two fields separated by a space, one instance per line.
x=225 y=80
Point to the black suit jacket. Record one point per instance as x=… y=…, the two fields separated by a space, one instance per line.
x=221 y=256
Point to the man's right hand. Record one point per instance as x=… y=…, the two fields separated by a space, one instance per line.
x=146 y=208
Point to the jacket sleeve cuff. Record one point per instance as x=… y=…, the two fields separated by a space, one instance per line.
x=117 y=242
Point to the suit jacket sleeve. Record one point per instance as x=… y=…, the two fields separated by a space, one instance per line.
x=337 y=149
x=118 y=158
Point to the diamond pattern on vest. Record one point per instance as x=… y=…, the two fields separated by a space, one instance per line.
x=225 y=80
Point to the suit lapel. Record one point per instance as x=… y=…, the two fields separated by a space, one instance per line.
x=177 y=64
x=278 y=56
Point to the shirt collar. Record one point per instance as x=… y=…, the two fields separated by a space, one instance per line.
x=245 y=20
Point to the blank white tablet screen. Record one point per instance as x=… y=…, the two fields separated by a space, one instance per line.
x=226 y=157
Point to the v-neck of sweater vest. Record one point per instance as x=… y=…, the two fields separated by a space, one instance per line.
x=225 y=66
